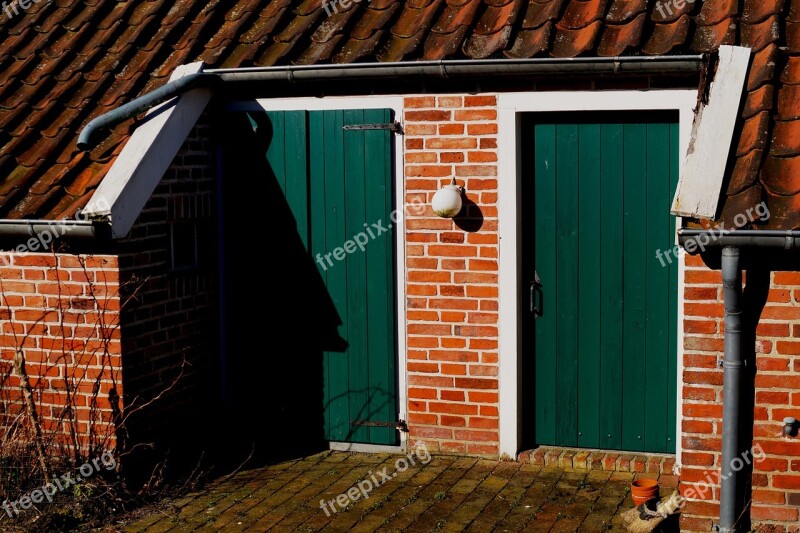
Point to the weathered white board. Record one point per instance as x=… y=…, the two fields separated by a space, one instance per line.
x=133 y=177
x=700 y=183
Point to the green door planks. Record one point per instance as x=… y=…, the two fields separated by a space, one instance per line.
x=336 y=182
x=605 y=350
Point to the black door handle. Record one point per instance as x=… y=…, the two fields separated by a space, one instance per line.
x=536 y=290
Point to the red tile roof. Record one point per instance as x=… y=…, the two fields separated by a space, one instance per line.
x=66 y=61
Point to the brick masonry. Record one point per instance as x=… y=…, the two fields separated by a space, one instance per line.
x=62 y=311
x=451 y=312
x=452 y=326
x=452 y=275
x=68 y=311
x=170 y=336
x=607 y=461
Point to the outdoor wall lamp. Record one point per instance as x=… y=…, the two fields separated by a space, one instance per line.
x=447 y=201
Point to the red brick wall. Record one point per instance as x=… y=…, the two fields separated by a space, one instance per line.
x=62 y=310
x=452 y=275
x=163 y=319
x=776 y=479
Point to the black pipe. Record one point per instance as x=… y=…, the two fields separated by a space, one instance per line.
x=730 y=509
x=412 y=69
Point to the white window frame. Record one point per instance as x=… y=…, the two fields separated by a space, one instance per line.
x=511 y=107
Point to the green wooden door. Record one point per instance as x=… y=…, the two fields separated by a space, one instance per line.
x=605 y=346
x=338 y=186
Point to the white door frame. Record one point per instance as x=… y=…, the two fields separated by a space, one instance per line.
x=395 y=103
x=511 y=106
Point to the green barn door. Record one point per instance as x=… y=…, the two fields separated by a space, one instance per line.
x=338 y=186
x=605 y=345
x=351 y=189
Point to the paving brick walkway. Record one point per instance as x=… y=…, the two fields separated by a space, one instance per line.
x=447 y=494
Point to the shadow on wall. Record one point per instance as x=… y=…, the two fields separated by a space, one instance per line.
x=278 y=317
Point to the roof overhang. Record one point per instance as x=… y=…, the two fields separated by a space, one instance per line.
x=143 y=161
x=148 y=154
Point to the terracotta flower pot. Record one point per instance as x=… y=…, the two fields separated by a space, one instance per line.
x=643 y=490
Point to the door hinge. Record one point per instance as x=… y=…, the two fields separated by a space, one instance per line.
x=400 y=425
x=394 y=127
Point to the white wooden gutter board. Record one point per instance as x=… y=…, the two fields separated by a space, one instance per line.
x=135 y=174
x=700 y=184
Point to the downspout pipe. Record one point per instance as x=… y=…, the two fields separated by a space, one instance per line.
x=445 y=69
x=90 y=134
x=733 y=363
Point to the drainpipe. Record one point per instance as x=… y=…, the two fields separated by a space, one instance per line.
x=730 y=509
x=732 y=506
x=90 y=134
x=421 y=70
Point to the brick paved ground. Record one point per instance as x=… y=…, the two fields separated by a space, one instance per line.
x=448 y=494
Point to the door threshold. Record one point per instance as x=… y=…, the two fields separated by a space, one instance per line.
x=364 y=448
x=607 y=460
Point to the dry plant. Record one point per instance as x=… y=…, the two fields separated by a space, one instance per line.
x=61 y=408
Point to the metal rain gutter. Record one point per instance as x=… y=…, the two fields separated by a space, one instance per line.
x=445 y=69
x=786 y=239
x=90 y=134
x=56 y=229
